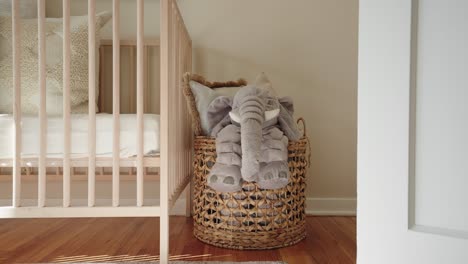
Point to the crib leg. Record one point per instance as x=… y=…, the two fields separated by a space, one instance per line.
x=188 y=200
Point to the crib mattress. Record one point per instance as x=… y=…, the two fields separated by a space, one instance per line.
x=79 y=136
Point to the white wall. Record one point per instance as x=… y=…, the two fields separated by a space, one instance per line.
x=309 y=50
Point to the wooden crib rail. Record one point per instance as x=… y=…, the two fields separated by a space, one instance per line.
x=17 y=104
x=176 y=132
x=79 y=174
x=91 y=162
x=176 y=137
x=149 y=161
x=148 y=42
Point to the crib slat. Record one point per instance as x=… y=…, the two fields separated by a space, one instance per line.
x=140 y=99
x=16 y=23
x=177 y=103
x=91 y=103
x=171 y=106
x=42 y=106
x=182 y=116
x=66 y=103
x=173 y=101
x=164 y=127
x=182 y=139
x=180 y=131
x=116 y=103
x=189 y=136
x=181 y=103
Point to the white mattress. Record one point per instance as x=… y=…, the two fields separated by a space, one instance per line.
x=79 y=136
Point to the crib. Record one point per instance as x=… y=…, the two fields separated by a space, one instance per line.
x=174 y=158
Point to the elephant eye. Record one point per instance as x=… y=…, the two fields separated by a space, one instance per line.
x=270 y=102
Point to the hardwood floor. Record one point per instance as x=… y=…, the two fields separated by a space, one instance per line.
x=329 y=240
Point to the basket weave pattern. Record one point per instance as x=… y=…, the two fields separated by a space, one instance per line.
x=252 y=218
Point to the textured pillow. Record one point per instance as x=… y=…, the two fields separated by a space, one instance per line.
x=200 y=93
x=54 y=64
x=204 y=95
x=28 y=8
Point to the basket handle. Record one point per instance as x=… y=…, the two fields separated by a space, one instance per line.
x=309 y=148
x=304 y=128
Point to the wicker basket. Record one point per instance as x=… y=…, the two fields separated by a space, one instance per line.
x=252 y=218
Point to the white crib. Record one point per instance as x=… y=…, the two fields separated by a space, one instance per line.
x=175 y=155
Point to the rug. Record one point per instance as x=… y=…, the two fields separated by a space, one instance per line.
x=196 y=262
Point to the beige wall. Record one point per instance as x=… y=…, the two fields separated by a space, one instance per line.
x=308 y=48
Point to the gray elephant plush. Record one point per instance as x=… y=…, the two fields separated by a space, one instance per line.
x=252 y=132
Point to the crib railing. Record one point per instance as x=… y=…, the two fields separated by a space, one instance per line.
x=17 y=104
x=175 y=135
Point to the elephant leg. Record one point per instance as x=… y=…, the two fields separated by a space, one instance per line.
x=274 y=170
x=225 y=178
x=273 y=175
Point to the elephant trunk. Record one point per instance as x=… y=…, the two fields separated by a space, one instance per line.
x=251 y=111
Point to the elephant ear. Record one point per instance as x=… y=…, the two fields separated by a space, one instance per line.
x=218 y=114
x=286 y=119
x=288 y=104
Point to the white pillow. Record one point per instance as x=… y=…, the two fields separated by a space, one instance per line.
x=54 y=64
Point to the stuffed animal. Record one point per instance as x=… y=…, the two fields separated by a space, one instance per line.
x=252 y=132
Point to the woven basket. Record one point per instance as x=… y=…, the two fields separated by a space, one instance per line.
x=252 y=218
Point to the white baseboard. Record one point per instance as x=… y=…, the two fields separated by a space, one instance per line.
x=331 y=206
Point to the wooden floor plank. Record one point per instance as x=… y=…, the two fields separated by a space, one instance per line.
x=329 y=240
x=341 y=234
x=324 y=245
